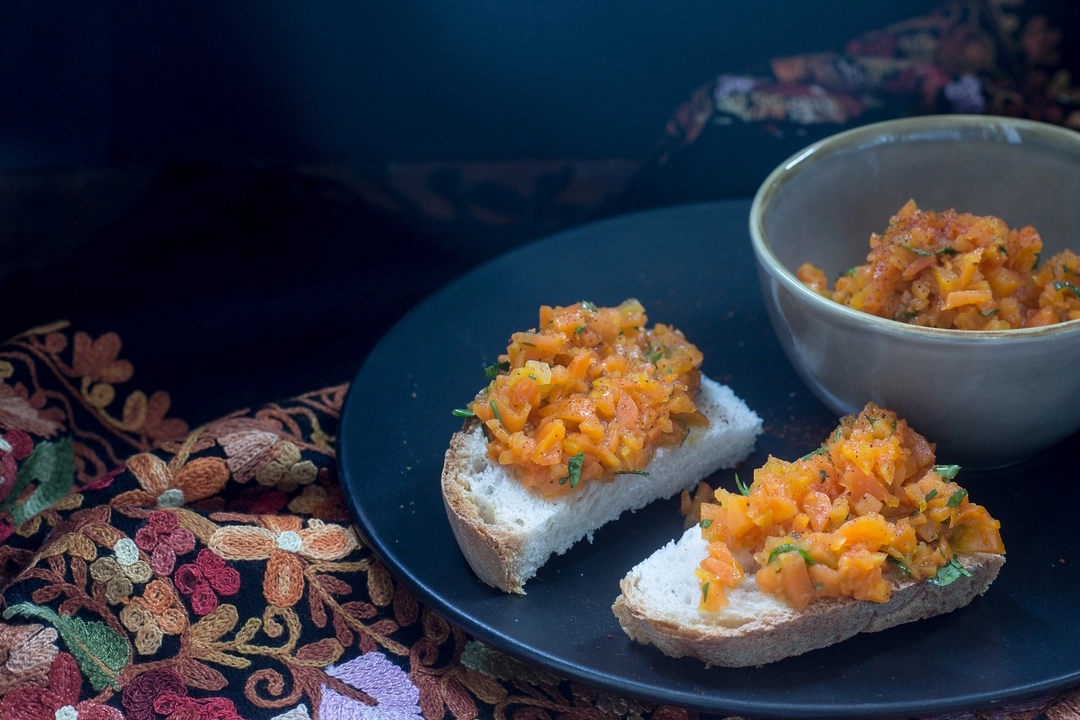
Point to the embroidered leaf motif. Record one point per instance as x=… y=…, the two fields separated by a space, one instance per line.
x=201 y=676
x=99 y=650
x=52 y=465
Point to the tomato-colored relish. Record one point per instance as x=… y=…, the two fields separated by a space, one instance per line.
x=957 y=270
x=589 y=395
x=868 y=506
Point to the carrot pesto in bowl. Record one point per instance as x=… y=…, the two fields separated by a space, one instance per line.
x=868 y=508
x=957 y=270
x=589 y=395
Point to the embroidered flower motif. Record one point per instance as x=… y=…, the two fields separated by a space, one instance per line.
x=17 y=413
x=283 y=540
x=59 y=700
x=120 y=571
x=15 y=445
x=271 y=460
x=153 y=616
x=202 y=578
x=300 y=712
x=197 y=480
x=163 y=536
x=26 y=653
x=164 y=693
x=966 y=95
x=397 y=698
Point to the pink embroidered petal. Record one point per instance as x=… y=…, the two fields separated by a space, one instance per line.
x=146 y=538
x=208 y=562
x=65 y=679
x=204 y=600
x=226 y=581
x=162 y=521
x=187 y=578
x=163 y=560
x=90 y=710
x=181 y=540
x=139 y=695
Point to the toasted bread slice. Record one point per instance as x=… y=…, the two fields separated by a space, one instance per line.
x=660 y=596
x=507 y=532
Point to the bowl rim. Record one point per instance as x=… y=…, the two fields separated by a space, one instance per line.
x=860 y=136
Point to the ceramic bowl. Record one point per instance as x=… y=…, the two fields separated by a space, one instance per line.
x=988 y=399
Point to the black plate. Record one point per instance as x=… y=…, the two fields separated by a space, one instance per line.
x=691 y=267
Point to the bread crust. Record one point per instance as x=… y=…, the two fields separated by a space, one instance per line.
x=491 y=550
x=824 y=622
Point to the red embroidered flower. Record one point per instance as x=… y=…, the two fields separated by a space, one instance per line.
x=201 y=578
x=164 y=539
x=59 y=700
x=15 y=445
x=163 y=693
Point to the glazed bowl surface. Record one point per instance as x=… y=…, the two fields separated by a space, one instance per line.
x=987 y=398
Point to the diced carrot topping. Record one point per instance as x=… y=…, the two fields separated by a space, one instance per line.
x=870 y=506
x=590 y=394
x=957 y=270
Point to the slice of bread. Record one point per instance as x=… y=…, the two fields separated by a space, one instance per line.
x=659 y=605
x=507 y=532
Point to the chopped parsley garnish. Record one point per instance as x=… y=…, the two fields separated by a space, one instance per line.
x=580 y=329
x=923 y=253
x=1004 y=249
x=532 y=376
x=818 y=586
x=464 y=412
x=492 y=371
x=850 y=272
x=824 y=475
x=633 y=472
x=495 y=410
x=949 y=573
x=956 y=498
x=988 y=313
x=574 y=466
x=894 y=425
x=898 y=563
x=706 y=523
x=705 y=591
x=931 y=495
x=653 y=357
x=1066 y=285
x=947 y=471
x=788 y=547
x=742 y=488
x=588 y=306
x=871 y=420
x=838 y=433
x=820 y=450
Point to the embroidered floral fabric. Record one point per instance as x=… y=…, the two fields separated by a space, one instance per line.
x=153 y=570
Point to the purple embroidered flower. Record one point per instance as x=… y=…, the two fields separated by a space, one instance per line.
x=395 y=694
x=728 y=85
x=966 y=95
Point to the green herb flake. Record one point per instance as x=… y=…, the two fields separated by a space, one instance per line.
x=988 y=313
x=850 y=272
x=788 y=547
x=931 y=495
x=824 y=475
x=1036 y=265
x=705 y=523
x=575 y=465
x=956 y=498
x=464 y=412
x=654 y=357
x=633 y=472
x=947 y=471
x=492 y=371
x=839 y=432
x=947 y=251
x=920 y=253
x=1069 y=270
x=580 y=329
x=705 y=591
x=588 y=306
x=1066 y=285
x=495 y=410
x=949 y=573
x=742 y=488
x=894 y=425
x=532 y=376
x=871 y=420
x=820 y=450
x=1004 y=249
x=898 y=563
x=818 y=587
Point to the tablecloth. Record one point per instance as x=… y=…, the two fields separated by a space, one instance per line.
x=153 y=569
